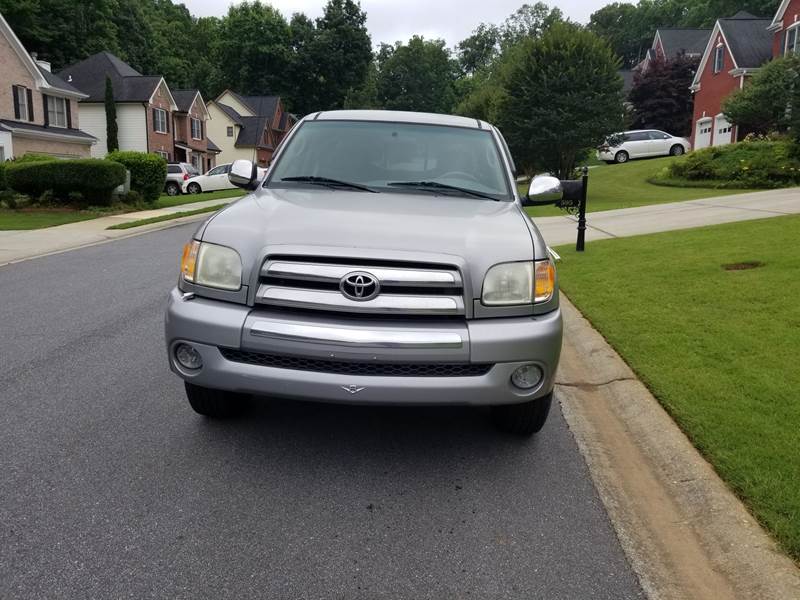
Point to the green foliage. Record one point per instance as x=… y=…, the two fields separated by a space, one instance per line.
x=762 y=105
x=417 y=76
x=2 y=176
x=32 y=157
x=94 y=179
x=148 y=172
x=560 y=95
x=112 y=143
x=659 y=96
x=748 y=164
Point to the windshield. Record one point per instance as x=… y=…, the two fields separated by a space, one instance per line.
x=394 y=157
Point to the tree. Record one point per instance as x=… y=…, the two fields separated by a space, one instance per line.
x=253 y=49
x=112 y=143
x=560 y=96
x=771 y=101
x=479 y=50
x=529 y=21
x=416 y=76
x=660 y=96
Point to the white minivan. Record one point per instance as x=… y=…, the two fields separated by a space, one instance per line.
x=213 y=180
x=641 y=143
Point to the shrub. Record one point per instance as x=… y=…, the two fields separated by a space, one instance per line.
x=2 y=176
x=148 y=172
x=750 y=164
x=94 y=179
x=32 y=157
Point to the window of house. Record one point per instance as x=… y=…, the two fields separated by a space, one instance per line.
x=719 y=59
x=162 y=154
x=195 y=161
x=197 y=129
x=230 y=131
x=22 y=102
x=791 y=40
x=160 y=120
x=56 y=111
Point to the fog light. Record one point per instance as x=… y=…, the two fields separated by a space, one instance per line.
x=527 y=377
x=188 y=357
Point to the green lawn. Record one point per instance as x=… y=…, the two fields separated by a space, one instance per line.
x=168 y=217
x=626 y=186
x=40 y=218
x=719 y=348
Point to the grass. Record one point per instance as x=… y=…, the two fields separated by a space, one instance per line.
x=38 y=218
x=718 y=348
x=168 y=217
x=169 y=201
x=627 y=186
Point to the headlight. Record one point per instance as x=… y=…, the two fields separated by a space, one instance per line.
x=516 y=283
x=211 y=265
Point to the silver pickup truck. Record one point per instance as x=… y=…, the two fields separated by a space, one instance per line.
x=384 y=259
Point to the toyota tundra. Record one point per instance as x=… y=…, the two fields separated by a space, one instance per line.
x=385 y=258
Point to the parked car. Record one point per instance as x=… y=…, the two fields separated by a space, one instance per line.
x=641 y=143
x=214 y=179
x=385 y=259
x=177 y=174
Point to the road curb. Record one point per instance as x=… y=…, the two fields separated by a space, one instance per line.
x=684 y=532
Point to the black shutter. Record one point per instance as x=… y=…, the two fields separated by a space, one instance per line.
x=166 y=119
x=69 y=114
x=30 y=105
x=16 y=101
x=782 y=49
x=202 y=133
x=46 y=114
x=155 y=127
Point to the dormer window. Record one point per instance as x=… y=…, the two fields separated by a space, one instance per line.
x=719 y=59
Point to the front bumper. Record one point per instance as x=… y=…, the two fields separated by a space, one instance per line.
x=506 y=343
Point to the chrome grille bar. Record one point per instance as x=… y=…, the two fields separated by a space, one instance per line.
x=387 y=276
x=335 y=301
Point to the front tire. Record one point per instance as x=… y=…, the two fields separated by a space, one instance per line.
x=173 y=189
x=523 y=419
x=621 y=157
x=193 y=188
x=676 y=150
x=215 y=404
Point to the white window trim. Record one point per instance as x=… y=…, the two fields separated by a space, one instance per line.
x=199 y=128
x=796 y=27
x=22 y=101
x=160 y=111
x=56 y=100
x=162 y=154
x=722 y=61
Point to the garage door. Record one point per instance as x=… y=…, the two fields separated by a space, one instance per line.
x=702 y=133
x=723 y=131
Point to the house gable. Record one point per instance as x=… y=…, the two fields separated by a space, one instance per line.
x=24 y=60
x=236 y=102
x=786 y=18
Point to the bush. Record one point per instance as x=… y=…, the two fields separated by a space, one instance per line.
x=756 y=163
x=2 y=176
x=94 y=179
x=148 y=172
x=33 y=157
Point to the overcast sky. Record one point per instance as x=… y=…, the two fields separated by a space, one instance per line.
x=393 y=20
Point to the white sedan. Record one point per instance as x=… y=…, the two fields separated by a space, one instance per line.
x=641 y=143
x=215 y=179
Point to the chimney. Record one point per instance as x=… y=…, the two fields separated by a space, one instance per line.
x=43 y=64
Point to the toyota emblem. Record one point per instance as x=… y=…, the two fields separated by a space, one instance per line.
x=359 y=286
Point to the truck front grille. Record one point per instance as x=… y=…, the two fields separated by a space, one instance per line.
x=314 y=283
x=356 y=368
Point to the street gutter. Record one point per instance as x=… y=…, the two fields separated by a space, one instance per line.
x=684 y=532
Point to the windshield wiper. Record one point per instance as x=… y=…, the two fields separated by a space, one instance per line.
x=333 y=183
x=435 y=185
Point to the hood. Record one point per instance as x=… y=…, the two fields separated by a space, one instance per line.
x=470 y=233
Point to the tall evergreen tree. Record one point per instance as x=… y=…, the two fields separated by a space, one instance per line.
x=112 y=141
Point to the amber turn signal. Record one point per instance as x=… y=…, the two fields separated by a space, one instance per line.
x=189 y=260
x=545 y=278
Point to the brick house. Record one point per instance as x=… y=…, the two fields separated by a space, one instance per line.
x=671 y=42
x=737 y=48
x=248 y=127
x=189 y=131
x=144 y=104
x=785 y=28
x=37 y=109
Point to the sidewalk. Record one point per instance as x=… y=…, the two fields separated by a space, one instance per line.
x=667 y=217
x=23 y=244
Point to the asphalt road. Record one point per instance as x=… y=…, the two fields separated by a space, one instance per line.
x=111 y=487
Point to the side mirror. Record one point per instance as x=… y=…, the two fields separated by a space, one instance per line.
x=243 y=174
x=544 y=189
